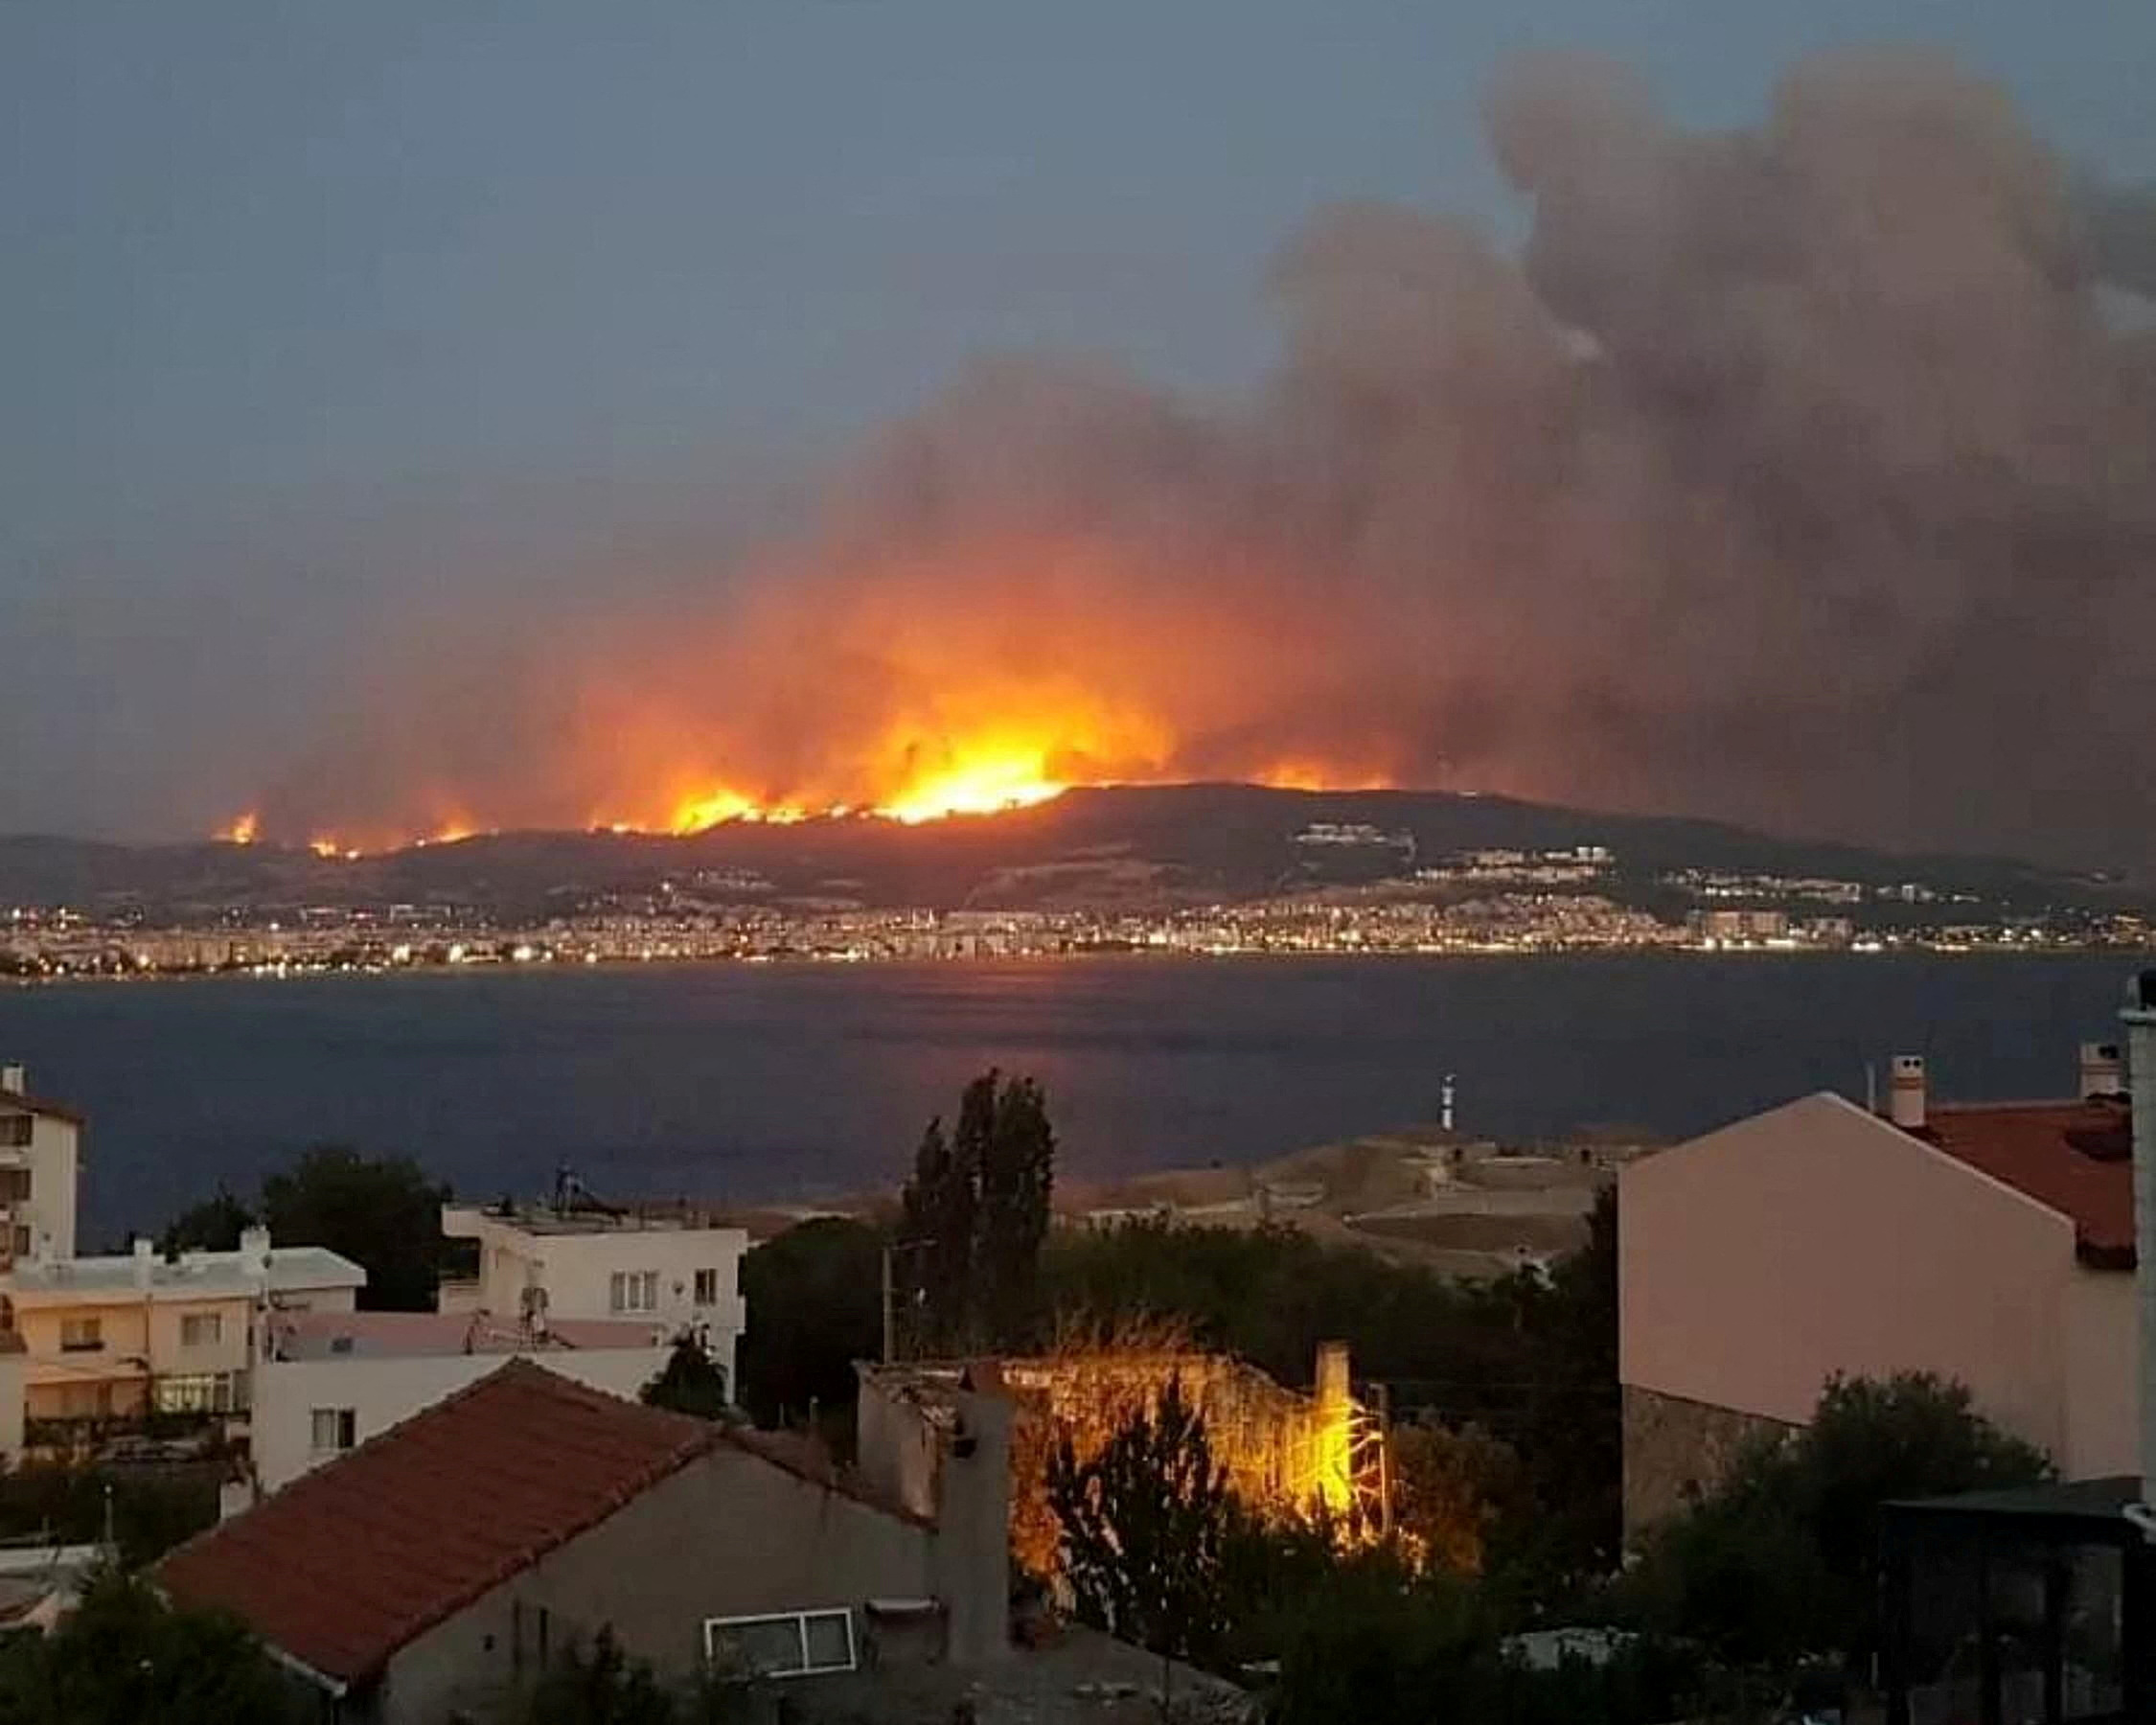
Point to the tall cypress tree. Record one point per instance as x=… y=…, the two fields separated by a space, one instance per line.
x=1017 y=1181
x=936 y=1248
x=976 y=1214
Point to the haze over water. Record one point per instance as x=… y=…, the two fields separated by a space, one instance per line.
x=737 y=1082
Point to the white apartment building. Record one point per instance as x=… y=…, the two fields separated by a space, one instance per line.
x=40 y=1151
x=579 y=1261
x=330 y=1380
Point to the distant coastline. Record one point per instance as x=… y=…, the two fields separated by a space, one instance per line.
x=472 y=968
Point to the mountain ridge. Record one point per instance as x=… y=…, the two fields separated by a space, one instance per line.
x=1185 y=842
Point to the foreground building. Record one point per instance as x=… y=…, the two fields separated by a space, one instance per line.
x=436 y=1567
x=576 y=1258
x=328 y=1381
x=88 y=1339
x=40 y=1155
x=1991 y=1244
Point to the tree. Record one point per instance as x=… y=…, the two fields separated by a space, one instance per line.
x=1016 y=1181
x=1571 y=1428
x=382 y=1212
x=1149 y=1526
x=974 y=1215
x=691 y=1382
x=149 y=1513
x=1776 y=1564
x=936 y=1259
x=124 y=1655
x=215 y=1225
x=1449 y=1490
x=813 y=1311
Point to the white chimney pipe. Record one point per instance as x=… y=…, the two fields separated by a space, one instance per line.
x=2140 y=1019
x=14 y=1080
x=1905 y=1092
x=145 y=1262
x=2103 y=1073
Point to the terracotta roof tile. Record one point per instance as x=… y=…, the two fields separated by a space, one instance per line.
x=351 y=1562
x=2071 y=1156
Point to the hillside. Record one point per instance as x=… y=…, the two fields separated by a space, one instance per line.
x=1141 y=846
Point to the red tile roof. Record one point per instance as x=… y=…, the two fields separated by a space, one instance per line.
x=351 y=1562
x=2072 y=1157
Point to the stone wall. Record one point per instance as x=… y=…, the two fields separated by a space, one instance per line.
x=1676 y=1451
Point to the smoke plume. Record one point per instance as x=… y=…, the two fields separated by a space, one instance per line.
x=1803 y=474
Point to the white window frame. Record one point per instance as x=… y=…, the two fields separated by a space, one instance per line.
x=195 y=1321
x=633 y=1290
x=706 y=1278
x=347 y=1419
x=800 y=1619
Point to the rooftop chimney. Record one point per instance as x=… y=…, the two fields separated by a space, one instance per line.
x=145 y=1261
x=13 y=1080
x=2140 y=1019
x=2102 y=1072
x=972 y=1553
x=254 y=1250
x=1905 y=1092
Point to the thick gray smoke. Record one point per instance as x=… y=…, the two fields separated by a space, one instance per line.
x=1799 y=475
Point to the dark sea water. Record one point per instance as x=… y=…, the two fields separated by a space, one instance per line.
x=748 y=1082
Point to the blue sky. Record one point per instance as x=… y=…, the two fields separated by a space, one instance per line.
x=288 y=285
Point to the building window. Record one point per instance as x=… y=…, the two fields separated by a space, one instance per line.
x=201 y=1329
x=14 y=1186
x=200 y=1393
x=20 y=1239
x=14 y=1131
x=82 y=1335
x=633 y=1290
x=335 y=1429
x=707 y=1287
x=791 y=1643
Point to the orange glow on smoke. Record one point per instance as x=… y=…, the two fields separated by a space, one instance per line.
x=889 y=680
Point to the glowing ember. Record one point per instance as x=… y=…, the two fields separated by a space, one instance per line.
x=242 y=831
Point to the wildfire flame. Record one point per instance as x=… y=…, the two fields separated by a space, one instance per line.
x=242 y=830
x=909 y=688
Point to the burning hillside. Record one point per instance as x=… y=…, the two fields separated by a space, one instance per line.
x=1745 y=488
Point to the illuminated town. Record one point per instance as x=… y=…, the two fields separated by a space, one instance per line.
x=1503 y=901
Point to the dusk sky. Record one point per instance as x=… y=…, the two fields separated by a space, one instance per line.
x=340 y=330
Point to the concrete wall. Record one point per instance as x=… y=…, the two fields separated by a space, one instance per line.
x=55 y=1156
x=382 y=1391
x=1676 y=1451
x=2100 y=1345
x=898 y=1446
x=731 y=1535
x=1758 y=1260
